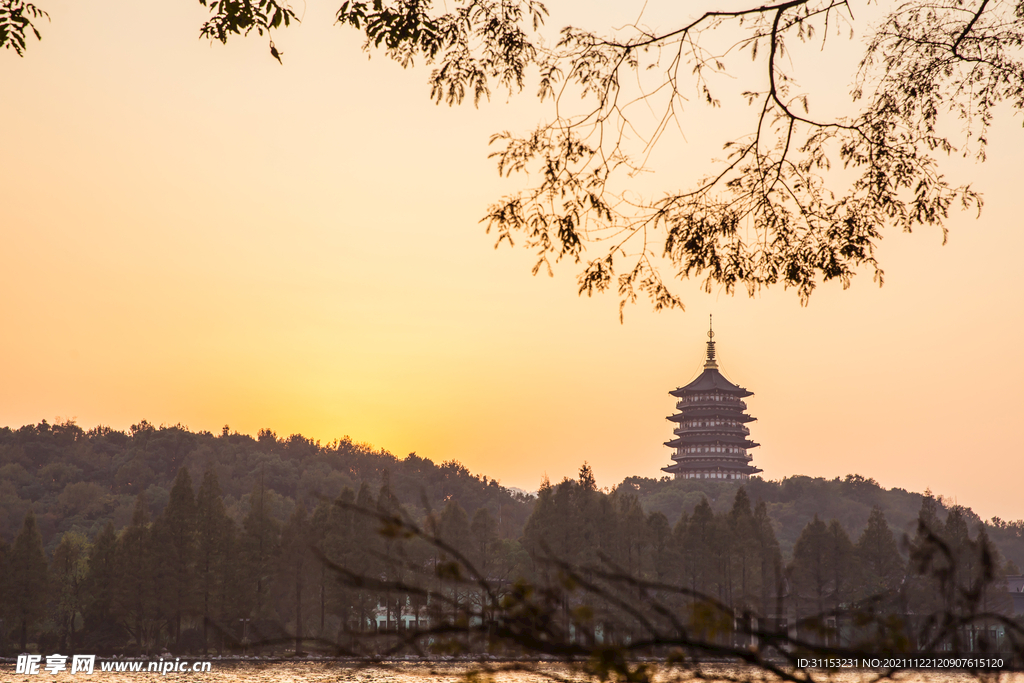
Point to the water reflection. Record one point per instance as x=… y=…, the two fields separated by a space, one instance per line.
x=334 y=672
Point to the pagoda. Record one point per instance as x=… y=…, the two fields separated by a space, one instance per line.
x=711 y=439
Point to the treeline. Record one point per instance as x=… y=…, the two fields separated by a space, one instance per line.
x=364 y=574
x=793 y=501
x=733 y=556
x=78 y=480
x=193 y=578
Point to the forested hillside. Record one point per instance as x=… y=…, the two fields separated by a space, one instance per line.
x=366 y=574
x=791 y=503
x=103 y=535
x=77 y=480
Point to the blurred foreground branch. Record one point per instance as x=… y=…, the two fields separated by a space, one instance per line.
x=610 y=624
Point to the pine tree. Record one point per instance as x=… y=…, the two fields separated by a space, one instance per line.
x=633 y=541
x=339 y=548
x=743 y=552
x=453 y=530
x=296 y=564
x=484 y=541
x=664 y=558
x=989 y=592
x=321 y=528
x=483 y=553
x=679 y=532
x=260 y=541
x=230 y=601
x=365 y=555
x=769 y=562
x=101 y=585
x=878 y=557
x=135 y=593
x=28 y=581
x=541 y=533
x=697 y=549
x=69 y=571
x=810 y=570
x=175 y=553
x=930 y=589
x=841 y=565
x=392 y=549
x=212 y=546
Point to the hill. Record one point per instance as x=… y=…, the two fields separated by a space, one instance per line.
x=794 y=501
x=77 y=480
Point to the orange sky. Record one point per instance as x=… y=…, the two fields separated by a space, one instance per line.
x=196 y=234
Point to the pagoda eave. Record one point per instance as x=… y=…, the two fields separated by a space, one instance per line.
x=735 y=442
x=680 y=467
x=711 y=380
x=693 y=413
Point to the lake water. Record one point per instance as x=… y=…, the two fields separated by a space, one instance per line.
x=320 y=672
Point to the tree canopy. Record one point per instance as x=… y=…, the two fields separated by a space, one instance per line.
x=798 y=198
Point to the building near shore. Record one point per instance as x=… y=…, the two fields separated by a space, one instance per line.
x=712 y=438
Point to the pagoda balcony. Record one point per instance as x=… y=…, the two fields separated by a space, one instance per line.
x=696 y=414
x=734 y=404
x=729 y=430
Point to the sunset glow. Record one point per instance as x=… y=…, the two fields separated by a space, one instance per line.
x=197 y=234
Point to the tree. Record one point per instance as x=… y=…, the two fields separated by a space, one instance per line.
x=799 y=198
x=842 y=568
x=70 y=569
x=296 y=568
x=135 y=592
x=586 y=616
x=878 y=557
x=363 y=556
x=101 y=587
x=953 y=579
x=16 y=22
x=772 y=211
x=634 y=534
x=323 y=531
x=28 y=581
x=175 y=533
x=338 y=548
x=485 y=542
x=260 y=541
x=769 y=559
x=698 y=543
x=213 y=539
x=810 y=572
x=665 y=560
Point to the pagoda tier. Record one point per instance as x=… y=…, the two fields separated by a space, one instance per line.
x=706 y=413
x=711 y=437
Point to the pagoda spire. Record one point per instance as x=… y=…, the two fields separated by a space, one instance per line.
x=711 y=363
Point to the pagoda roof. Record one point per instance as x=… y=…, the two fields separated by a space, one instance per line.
x=711 y=380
